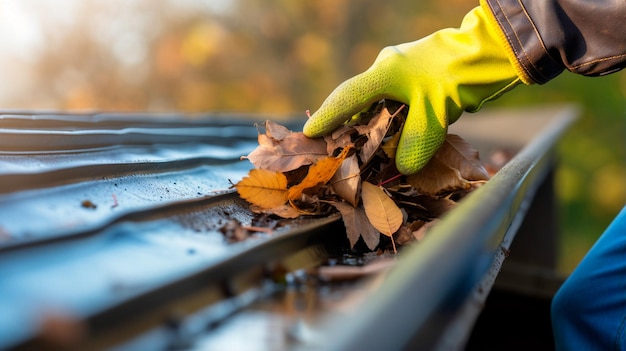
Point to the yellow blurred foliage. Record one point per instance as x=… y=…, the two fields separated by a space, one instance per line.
x=168 y=58
x=569 y=183
x=196 y=94
x=312 y=49
x=201 y=42
x=80 y=98
x=607 y=189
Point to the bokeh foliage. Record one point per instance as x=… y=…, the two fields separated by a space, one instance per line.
x=282 y=57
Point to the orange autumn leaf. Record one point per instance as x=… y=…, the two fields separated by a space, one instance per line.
x=285 y=211
x=319 y=173
x=381 y=210
x=263 y=188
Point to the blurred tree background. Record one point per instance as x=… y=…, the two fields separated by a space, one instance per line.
x=280 y=58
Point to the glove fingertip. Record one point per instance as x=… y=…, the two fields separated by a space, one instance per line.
x=311 y=130
x=415 y=154
x=323 y=122
x=315 y=126
x=406 y=167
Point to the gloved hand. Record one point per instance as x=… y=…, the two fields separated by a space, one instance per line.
x=439 y=77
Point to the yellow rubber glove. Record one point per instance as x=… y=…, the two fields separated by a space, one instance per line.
x=439 y=77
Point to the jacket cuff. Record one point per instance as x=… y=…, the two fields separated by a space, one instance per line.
x=518 y=35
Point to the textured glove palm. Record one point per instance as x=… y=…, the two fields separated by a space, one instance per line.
x=439 y=77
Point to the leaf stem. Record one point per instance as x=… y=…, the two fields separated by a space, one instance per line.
x=390 y=179
x=398 y=110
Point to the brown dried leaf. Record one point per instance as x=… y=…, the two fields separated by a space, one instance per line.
x=459 y=154
x=276 y=131
x=452 y=168
x=420 y=232
x=281 y=150
x=265 y=140
x=437 y=177
x=357 y=225
x=404 y=236
x=263 y=188
x=339 y=138
x=375 y=131
x=382 y=212
x=347 y=180
x=284 y=211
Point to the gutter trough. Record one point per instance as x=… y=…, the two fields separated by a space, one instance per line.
x=111 y=238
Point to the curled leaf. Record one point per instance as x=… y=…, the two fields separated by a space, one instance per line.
x=347 y=180
x=276 y=131
x=375 y=131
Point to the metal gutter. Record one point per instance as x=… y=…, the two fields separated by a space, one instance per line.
x=427 y=290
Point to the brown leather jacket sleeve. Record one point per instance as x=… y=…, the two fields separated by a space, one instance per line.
x=548 y=36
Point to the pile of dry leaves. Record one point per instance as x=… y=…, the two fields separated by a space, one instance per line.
x=352 y=171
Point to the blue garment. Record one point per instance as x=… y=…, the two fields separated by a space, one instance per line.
x=589 y=310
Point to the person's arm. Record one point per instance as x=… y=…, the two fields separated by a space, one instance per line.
x=499 y=44
x=546 y=37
